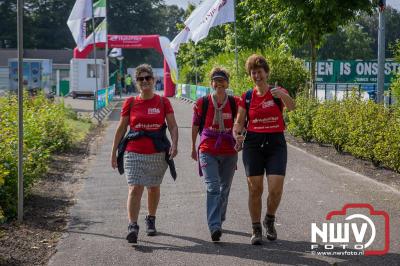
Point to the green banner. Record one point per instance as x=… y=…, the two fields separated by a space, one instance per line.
x=353 y=71
x=104 y=97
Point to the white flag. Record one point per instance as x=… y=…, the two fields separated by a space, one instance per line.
x=115 y=52
x=100 y=34
x=182 y=37
x=76 y=21
x=169 y=56
x=208 y=14
x=99 y=9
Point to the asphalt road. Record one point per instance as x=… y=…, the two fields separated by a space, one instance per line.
x=313 y=188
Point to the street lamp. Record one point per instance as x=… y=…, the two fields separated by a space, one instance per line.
x=120 y=58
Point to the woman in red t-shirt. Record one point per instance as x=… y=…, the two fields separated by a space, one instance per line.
x=217 y=156
x=144 y=165
x=264 y=146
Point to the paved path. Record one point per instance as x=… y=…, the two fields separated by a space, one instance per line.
x=313 y=187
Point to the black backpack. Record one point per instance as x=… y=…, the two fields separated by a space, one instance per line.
x=249 y=95
x=204 y=108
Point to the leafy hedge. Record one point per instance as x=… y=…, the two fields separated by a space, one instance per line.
x=363 y=128
x=46 y=130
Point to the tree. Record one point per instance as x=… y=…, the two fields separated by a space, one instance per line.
x=8 y=24
x=297 y=22
x=48 y=24
x=370 y=24
x=349 y=43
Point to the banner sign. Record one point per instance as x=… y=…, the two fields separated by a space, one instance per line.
x=353 y=71
x=104 y=97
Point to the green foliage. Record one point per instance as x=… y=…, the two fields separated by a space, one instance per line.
x=365 y=121
x=387 y=150
x=301 y=119
x=363 y=128
x=395 y=85
x=46 y=131
x=288 y=71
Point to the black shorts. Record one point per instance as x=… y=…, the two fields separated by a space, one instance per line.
x=265 y=153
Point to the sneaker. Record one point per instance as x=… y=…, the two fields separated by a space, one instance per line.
x=133 y=231
x=256 y=237
x=151 y=225
x=269 y=224
x=216 y=235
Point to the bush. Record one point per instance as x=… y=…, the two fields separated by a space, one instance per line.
x=287 y=70
x=387 y=149
x=365 y=121
x=45 y=131
x=363 y=128
x=300 y=119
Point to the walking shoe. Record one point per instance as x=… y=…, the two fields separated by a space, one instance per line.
x=216 y=235
x=256 y=237
x=268 y=223
x=151 y=225
x=133 y=231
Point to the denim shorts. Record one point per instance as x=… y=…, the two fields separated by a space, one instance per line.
x=265 y=153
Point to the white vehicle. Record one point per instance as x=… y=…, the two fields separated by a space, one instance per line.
x=83 y=77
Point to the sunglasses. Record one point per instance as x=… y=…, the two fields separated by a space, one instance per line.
x=147 y=78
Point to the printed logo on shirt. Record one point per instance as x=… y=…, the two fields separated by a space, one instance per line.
x=153 y=111
x=227 y=116
x=147 y=126
x=267 y=104
x=265 y=120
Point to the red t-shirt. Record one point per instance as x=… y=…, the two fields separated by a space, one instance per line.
x=147 y=115
x=264 y=113
x=208 y=145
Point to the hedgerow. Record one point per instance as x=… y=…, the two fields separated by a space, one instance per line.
x=362 y=128
x=46 y=131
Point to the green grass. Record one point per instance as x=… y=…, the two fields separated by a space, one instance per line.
x=80 y=129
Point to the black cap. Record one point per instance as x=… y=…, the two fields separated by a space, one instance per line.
x=220 y=74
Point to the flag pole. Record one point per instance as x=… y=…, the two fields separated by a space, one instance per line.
x=236 y=50
x=20 y=14
x=95 y=60
x=106 y=51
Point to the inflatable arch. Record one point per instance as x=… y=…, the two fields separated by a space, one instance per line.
x=139 y=42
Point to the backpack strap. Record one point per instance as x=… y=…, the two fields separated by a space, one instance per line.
x=204 y=108
x=247 y=98
x=232 y=103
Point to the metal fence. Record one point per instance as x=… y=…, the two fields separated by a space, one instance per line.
x=339 y=91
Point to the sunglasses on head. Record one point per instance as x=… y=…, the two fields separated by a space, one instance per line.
x=147 y=78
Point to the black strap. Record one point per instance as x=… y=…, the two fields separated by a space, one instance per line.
x=204 y=108
x=232 y=102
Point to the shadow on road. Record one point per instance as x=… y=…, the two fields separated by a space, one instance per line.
x=279 y=252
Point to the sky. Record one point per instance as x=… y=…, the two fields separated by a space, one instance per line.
x=184 y=3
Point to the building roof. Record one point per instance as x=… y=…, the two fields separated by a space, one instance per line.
x=58 y=56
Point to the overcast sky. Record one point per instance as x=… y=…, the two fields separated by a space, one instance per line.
x=184 y=3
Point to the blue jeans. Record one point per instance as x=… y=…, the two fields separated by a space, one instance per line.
x=218 y=173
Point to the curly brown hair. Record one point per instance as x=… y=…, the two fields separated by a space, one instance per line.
x=256 y=61
x=146 y=68
x=219 y=69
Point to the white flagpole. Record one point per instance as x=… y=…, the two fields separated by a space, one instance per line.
x=95 y=60
x=236 y=50
x=106 y=51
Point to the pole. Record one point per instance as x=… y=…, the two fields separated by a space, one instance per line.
x=195 y=63
x=236 y=50
x=120 y=75
x=20 y=15
x=95 y=62
x=106 y=52
x=381 y=52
